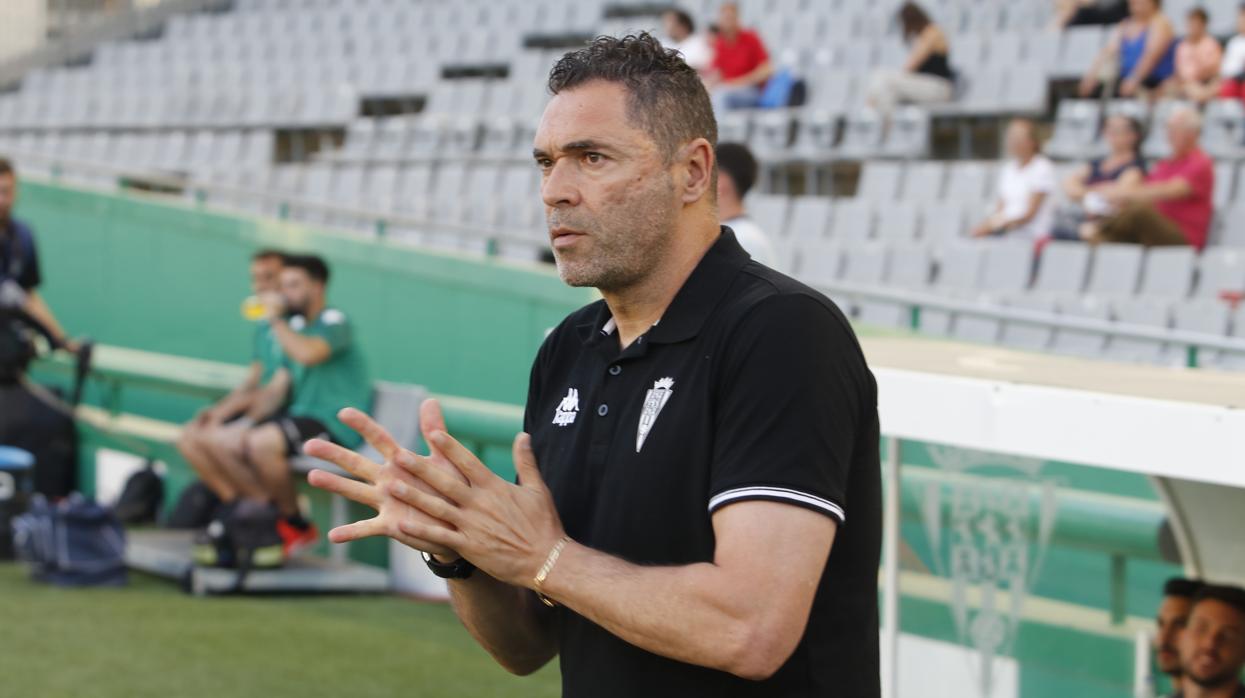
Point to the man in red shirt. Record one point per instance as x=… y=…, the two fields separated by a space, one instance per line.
x=1174 y=205
x=740 y=65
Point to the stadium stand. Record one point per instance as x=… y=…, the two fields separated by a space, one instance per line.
x=335 y=117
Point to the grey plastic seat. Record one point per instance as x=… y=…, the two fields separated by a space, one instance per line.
x=1235 y=360
x=1076 y=128
x=818 y=262
x=1223 y=129
x=852 y=220
x=865 y=265
x=1155 y=145
x=810 y=218
x=1208 y=316
x=1167 y=273
x=943 y=222
x=1220 y=269
x=880 y=181
x=1232 y=230
x=1019 y=334
x=1025 y=89
x=897 y=222
x=1154 y=312
x=1225 y=183
x=1076 y=342
x=959 y=272
x=970 y=182
x=1116 y=270
x=734 y=127
x=1062 y=268
x=770 y=212
x=862 y=135
x=1080 y=46
x=1008 y=265
x=908 y=135
x=772 y=133
x=924 y=181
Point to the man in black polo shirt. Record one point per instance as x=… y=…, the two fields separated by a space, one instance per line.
x=19 y=262
x=698 y=507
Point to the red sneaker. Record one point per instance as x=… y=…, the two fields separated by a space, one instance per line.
x=296 y=540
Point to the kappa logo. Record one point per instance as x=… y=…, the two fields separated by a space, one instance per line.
x=656 y=399
x=568 y=409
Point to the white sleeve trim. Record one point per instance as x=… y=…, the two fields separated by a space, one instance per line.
x=777 y=493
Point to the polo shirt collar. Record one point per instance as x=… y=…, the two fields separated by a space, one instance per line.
x=698 y=296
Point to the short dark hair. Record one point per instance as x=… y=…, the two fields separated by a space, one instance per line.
x=1233 y=596
x=665 y=95
x=736 y=160
x=683 y=18
x=6 y=168
x=268 y=253
x=315 y=267
x=1200 y=13
x=1184 y=588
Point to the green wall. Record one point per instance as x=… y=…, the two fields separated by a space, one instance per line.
x=169 y=278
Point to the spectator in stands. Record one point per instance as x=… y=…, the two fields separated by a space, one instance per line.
x=1198 y=58
x=19 y=263
x=328 y=374
x=926 y=77
x=1122 y=163
x=1173 y=206
x=212 y=442
x=1143 y=47
x=737 y=172
x=1232 y=69
x=1172 y=617
x=682 y=37
x=1212 y=646
x=1025 y=204
x=741 y=65
x=1072 y=13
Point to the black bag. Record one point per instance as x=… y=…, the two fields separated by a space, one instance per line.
x=75 y=542
x=245 y=537
x=194 y=508
x=47 y=433
x=141 y=497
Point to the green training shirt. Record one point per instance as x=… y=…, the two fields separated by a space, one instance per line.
x=266 y=350
x=340 y=381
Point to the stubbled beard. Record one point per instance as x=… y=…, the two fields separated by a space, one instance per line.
x=624 y=242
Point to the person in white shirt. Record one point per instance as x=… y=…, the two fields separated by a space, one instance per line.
x=682 y=37
x=737 y=171
x=1232 y=69
x=1025 y=205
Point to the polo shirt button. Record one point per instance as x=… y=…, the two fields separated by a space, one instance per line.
x=603 y=410
x=615 y=370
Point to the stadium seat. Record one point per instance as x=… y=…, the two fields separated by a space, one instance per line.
x=770 y=212
x=810 y=218
x=862 y=135
x=1080 y=46
x=1223 y=130
x=924 y=181
x=1155 y=146
x=1167 y=273
x=943 y=222
x=909 y=270
x=1151 y=312
x=1116 y=270
x=1019 y=334
x=880 y=181
x=1209 y=316
x=1062 y=269
x=908 y=135
x=959 y=270
x=970 y=182
x=852 y=221
x=1076 y=128
x=817 y=262
x=1220 y=269
x=1076 y=342
x=897 y=222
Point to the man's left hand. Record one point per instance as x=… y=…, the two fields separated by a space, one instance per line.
x=504 y=529
x=274 y=305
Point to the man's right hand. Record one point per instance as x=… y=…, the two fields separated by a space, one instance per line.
x=374 y=479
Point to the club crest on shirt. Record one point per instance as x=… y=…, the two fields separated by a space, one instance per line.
x=568 y=409
x=656 y=399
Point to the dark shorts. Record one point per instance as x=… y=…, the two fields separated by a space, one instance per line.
x=298 y=431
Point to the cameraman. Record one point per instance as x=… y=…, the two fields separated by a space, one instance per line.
x=19 y=264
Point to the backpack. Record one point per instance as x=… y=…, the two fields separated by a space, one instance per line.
x=75 y=543
x=783 y=89
x=245 y=538
x=141 y=497
x=194 y=508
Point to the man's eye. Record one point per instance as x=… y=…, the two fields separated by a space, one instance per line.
x=594 y=158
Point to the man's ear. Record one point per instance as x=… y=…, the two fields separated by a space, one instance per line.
x=696 y=160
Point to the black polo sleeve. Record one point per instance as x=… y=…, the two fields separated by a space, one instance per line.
x=788 y=407
x=23 y=244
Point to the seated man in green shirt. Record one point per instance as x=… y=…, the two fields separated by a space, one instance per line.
x=327 y=373
x=212 y=442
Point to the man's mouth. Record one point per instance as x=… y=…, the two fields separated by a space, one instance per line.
x=564 y=237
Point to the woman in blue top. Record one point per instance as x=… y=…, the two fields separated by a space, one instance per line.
x=1144 y=45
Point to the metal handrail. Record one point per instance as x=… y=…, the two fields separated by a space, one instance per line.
x=994 y=311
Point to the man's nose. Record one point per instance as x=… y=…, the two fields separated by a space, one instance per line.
x=559 y=188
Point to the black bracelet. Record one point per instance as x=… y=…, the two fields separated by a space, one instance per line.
x=458 y=569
